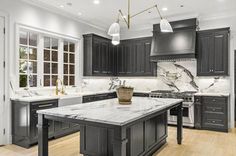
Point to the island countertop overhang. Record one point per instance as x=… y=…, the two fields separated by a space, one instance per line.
x=111 y=112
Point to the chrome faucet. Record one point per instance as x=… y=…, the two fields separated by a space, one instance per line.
x=62 y=90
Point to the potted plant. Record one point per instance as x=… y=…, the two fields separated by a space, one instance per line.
x=124 y=94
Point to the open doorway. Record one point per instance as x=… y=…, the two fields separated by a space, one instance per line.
x=2 y=75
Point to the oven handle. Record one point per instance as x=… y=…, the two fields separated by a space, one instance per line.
x=188 y=106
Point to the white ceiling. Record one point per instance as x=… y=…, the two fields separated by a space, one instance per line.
x=103 y=14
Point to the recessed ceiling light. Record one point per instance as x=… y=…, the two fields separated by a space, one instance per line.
x=79 y=13
x=62 y=6
x=181 y=6
x=164 y=9
x=96 y=1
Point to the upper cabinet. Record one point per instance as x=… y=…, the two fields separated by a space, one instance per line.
x=97 y=56
x=130 y=58
x=212 y=49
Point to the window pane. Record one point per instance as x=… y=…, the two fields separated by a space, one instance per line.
x=66 y=80
x=23 y=80
x=46 y=80
x=23 y=38
x=65 y=57
x=23 y=53
x=33 y=81
x=46 y=68
x=54 y=68
x=72 y=58
x=23 y=66
x=32 y=53
x=66 y=44
x=72 y=47
x=72 y=69
x=55 y=44
x=66 y=68
x=47 y=42
x=32 y=67
x=54 y=80
x=54 y=56
x=33 y=39
x=72 y=80
x=46 y=55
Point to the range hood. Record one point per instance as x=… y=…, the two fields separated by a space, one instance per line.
x=176 y=45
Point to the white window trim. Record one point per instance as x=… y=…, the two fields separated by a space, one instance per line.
x=41 y=34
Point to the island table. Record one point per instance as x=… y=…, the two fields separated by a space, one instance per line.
x=110 y=129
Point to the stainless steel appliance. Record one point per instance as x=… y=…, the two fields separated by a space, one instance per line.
x=188 y=105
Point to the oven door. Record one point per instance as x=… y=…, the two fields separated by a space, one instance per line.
x=188 y=116
x=174 y=112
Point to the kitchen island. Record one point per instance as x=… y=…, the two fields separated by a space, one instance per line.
x=110 y=129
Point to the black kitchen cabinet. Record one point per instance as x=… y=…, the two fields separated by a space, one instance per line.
x=98 y=97
x=130 y=58
x=25 y=120
x=97 y=56
x=211 y=113
x=213 y=47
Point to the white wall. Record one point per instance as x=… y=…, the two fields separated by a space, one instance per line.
x=18 y=12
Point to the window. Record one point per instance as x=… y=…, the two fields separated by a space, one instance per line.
x=28 y=59
x=44 y=57
x=50 y=61
x=69 y=64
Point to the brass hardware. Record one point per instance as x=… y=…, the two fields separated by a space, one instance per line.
x=62 y=91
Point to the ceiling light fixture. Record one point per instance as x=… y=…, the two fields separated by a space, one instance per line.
x=115 y=40
x=62 y=6
x=164 y=9
x=96 y=1
x=79 y=13
x=114 y=29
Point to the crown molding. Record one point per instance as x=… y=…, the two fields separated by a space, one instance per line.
x=59 y=12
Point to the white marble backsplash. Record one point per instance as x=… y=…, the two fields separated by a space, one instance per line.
x=172 y=75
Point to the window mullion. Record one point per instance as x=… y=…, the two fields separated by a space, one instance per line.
x=60 y=59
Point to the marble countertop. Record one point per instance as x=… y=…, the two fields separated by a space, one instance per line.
x=212 y=94
x=71 y=95
x=34 y=98
x=110 y=112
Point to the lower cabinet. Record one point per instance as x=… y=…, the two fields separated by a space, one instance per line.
x=98 y=97
x=142 y=137
x=211 y=113
x=25 y=120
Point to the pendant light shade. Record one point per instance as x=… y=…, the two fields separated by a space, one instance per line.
x=115 y=40
x=114 y=29
x=165 y=26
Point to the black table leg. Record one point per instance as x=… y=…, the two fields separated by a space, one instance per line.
x=180 y=124
x=42 y=135
x=120 y=140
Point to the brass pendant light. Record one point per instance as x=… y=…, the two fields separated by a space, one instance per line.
x=114 y=29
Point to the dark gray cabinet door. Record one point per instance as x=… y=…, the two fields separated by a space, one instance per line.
x=205 y=53
x=212 y=52
x=221 y=53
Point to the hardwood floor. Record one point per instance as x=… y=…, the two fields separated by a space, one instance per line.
x=195 y=143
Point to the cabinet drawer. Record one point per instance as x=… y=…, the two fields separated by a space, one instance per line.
x=211 y=120
x=44 y=105
x=215 y=100
x=214 y=108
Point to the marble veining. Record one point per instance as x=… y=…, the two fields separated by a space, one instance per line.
x=110 y=112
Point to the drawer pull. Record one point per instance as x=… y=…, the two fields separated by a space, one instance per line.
x=214 y=100
x=48 y=105
x=213 y=121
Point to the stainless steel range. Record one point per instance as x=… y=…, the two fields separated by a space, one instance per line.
x=188 y=105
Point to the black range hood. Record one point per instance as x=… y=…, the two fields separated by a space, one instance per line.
x=176 y=45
